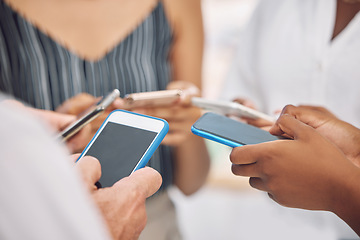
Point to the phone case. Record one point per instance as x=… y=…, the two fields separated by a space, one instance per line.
x=153 y=146
x=215 y=138
x=228 y=131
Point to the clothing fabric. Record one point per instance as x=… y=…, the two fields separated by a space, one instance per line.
x=286 y=56
x=39 y=71
x=41 y=195
x=162 y=221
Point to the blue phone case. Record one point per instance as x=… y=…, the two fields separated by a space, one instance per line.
x=214 y=138
x=142 y=163
x=228 y=131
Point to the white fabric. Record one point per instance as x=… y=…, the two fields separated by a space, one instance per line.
x=286 y=56
x=41 y=196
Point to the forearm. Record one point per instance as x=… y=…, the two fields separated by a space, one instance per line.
x=192 y=165
x=347 y=200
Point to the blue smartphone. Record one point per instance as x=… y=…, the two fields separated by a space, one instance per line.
x=228 y=131
x=124 y=143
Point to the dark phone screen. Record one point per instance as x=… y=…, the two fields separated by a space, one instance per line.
x=119 y=148
x=232 y=130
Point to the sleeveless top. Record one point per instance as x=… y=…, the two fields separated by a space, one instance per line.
x=42 y=73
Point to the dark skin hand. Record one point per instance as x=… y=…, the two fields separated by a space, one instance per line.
x=308 y=172
x=342 y=134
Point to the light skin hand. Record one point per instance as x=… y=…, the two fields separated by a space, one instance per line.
x=180 y=116
x=80 y=103
x=58 y=122
x=123 y=204
x=342 y=134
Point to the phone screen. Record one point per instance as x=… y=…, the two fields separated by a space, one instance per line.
x=222 y=127
x=119 y=148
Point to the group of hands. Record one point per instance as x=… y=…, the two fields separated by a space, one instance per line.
x=308 y=171
x=122 y=205
x=314 y=167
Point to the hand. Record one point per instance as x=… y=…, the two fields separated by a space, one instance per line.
x=307 y=172
x=342 y=134
x=123 y=204
x=180 y=116
x=58 y=122
x=80 y=103
x=260 y=123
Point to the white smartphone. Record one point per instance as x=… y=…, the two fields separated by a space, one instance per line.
x=152 y=99
x=124 y=143
x=230 y=108
x=89 y=115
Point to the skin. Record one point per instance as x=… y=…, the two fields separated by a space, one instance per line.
x=345 y=12
x=344 y=135
x=58 y=122
x=288 y=169
x=123 y=204
x=191 y=158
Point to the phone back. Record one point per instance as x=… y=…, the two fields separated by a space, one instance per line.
x=229 y=132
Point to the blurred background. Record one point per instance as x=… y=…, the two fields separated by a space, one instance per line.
x=227 y=208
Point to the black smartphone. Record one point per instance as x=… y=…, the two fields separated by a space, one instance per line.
x=228 y=131
x=89 y=115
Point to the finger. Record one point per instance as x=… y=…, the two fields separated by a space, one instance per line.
x=77 y=104
x=245 y=170
x=119 y=103
x=257 y=183
x=146 y=180
x=290 y=126
x=247 y=154
x=311 y=115
x=245 y=102
x=90 y=170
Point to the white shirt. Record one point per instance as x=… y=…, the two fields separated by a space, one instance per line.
x=286 y=56
x=41 y=196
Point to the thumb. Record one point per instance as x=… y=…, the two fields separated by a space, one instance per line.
x=146 y=180
x=90 y=170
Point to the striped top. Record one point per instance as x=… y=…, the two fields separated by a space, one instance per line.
x=39 y=71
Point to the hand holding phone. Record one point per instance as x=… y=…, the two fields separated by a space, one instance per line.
x=228 y=131
x=124 y=143
x=89 y=115
x=152 y=99
x=230 y=108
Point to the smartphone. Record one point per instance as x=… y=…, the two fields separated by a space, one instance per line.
x=152 y=99
x=89 y=115
x=230 y=132
x=124 y=143
x=229 y=108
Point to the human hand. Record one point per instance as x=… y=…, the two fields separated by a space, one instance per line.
x=123 y=204
x=83 y=101
x=260 y=123
x=57 y=122
x=306 y=172
x=180 y=116
x=342 y=134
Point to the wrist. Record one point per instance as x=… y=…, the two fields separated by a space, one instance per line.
x=345 y=192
